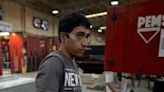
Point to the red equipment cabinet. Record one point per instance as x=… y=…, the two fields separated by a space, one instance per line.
x=133 y=38
x=1 y=62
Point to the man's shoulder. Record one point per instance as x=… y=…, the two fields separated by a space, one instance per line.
x=53 y=56
x=56 y=52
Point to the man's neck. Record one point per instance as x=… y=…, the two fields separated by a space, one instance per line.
x=65 y=52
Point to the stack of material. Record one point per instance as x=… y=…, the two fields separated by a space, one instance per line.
x=14 y=83
x=7 y=78
x=94 y=81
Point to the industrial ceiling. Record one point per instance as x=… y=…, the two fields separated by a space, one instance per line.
x=64 y=6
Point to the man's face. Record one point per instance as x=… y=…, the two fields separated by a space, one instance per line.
x=77 y=41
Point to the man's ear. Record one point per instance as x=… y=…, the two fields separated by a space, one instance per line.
x=63 y=36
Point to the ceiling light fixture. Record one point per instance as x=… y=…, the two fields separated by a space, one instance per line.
x=114 y=2
x=96 y=15
x=4 y=33
x=55 y=11
x=91 y=26
x=103 y=27
x=99 y=30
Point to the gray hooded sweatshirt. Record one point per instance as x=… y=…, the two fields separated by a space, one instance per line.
x=58 y=73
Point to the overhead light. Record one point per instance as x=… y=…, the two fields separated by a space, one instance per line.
x=91 y=26
x=99 y=30
x=114 y=2
x=4 y=33
x=55 y=11
x=96 y=15
x=103 y=27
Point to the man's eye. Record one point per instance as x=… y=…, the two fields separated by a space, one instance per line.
x=87 y=36
x=79 y=36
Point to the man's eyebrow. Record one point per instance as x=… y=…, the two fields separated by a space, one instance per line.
x=82 y=33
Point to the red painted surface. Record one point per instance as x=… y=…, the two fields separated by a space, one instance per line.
x=37 y=47
x=15 y=52
x=125 y=50
x=1 y=62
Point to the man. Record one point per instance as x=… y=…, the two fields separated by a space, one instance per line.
x=58 y=72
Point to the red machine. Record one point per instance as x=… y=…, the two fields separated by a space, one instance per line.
x=135 y=38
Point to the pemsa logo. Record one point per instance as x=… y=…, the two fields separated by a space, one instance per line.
x=147 y=24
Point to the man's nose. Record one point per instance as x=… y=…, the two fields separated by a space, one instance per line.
x=85 y=42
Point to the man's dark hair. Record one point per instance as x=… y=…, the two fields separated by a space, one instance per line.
x=69 y=21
